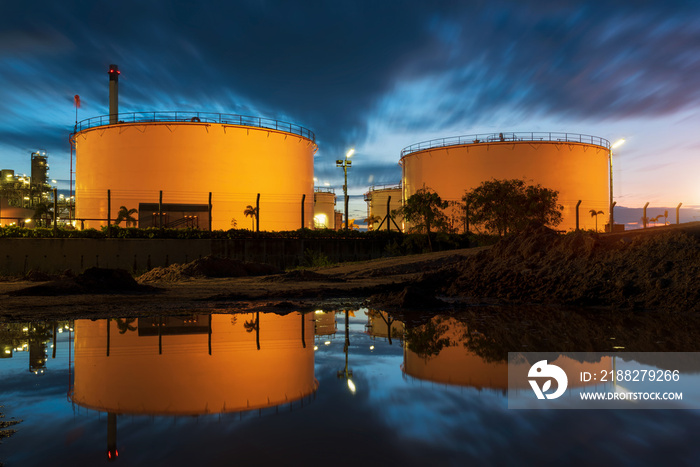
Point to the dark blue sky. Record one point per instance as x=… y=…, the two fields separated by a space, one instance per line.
x=374 y=75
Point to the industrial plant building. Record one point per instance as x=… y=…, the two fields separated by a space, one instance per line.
x=21 y=195
x=575 y=165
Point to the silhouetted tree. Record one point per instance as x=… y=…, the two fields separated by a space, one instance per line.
x=507 y=206
x=424 y=210
x=595 y=214
x=251 y=212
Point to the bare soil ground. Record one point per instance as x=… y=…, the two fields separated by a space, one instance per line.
x=657 y=268
x=169 y=291
x=653 y=269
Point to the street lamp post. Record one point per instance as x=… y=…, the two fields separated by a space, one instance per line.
x=617 y=144
x=345 y=163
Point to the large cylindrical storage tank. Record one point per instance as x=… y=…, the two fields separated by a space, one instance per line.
x=193 y=366
x=377 y=199
x=577 y=166
x=324 y=208
x=186 y=158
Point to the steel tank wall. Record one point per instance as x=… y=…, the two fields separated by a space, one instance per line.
x=578 y=171
x=376 y=205
x=187 y=160
x=126 y=373
x=324 y=210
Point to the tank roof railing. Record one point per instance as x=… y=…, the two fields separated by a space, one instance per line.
x=505 y=137
x=396 y=186
x=324 y=189
x=198 y=117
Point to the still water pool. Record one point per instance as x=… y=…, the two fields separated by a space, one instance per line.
x=338 y=388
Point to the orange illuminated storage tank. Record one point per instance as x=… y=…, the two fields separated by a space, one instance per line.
x=377 y=199
x=324 y=208
x=575 y=165
x=187 y=156
x=197 y=365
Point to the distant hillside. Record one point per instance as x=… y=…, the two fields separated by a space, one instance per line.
x=632 y=217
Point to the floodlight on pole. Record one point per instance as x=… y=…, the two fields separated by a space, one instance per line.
x=615 y=145
x=345 y=163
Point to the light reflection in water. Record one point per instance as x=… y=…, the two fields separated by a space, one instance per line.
x=418 y=395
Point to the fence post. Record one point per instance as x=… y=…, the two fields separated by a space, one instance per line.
x=55 y=211
x=678 y=213
x=109 y=213
x=577 y=205
x=303 y=198
x=160 y=210
x=210 y=211
x=612 y=216
x=257 y=213
x=388 y=214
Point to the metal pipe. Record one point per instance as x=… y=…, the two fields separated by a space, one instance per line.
x=612 y=217
x=678 y=213
x=113 y=94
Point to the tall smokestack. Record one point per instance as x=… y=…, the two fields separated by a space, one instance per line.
x=113 y=94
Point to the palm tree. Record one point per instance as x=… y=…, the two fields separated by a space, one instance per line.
x=371 y=220
x=595 y=214
x=126 y=215
x=254 y=325
x=251 y=212
x=125 y=325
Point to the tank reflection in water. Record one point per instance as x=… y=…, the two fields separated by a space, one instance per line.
x=436 y=351
x=340 y=387
x=194 y=366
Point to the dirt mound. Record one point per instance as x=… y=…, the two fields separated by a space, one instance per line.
x=304 y=276
x=209 y=266
x=646 y=272
x=92 y=281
